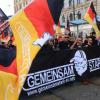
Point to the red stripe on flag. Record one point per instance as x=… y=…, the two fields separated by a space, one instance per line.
x=12 y=68
x=39 y=15
x=91 y=14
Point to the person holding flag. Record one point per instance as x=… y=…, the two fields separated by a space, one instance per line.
x=31 y=27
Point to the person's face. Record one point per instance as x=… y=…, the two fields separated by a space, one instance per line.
x=79 y=41
x=90 y=41
x=66 y=38
x=91 y=34
x=50 y=42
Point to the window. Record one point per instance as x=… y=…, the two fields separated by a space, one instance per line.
x=70 y=3
x=71 y=16
x=78 y=1
x=63 y=18
x=79 y=15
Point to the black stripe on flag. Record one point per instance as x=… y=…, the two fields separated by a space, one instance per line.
x=55 y=7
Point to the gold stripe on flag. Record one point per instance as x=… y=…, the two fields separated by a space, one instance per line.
x=24 y=38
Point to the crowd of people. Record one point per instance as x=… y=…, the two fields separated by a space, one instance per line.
x=66 y=41
x=62 y=42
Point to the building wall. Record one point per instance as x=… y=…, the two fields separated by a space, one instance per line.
x=19 y=4
x=79 y=7
x=98 y=7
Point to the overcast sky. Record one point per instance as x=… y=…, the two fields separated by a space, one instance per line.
x=7 y=6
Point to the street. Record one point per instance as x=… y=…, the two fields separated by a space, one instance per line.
x=75 y=91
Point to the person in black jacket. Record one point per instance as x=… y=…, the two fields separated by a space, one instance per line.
x=65 y=43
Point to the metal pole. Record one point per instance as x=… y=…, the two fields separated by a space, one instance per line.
x=74 y=9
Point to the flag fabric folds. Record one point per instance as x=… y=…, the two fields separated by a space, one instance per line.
x=32 y=27
x=92 y=18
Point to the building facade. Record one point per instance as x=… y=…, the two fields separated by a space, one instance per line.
x=98 y=7
x=19 y=4
x=74 y=10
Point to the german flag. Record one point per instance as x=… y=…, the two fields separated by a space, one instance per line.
x=31 y=27
x=92 y=18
